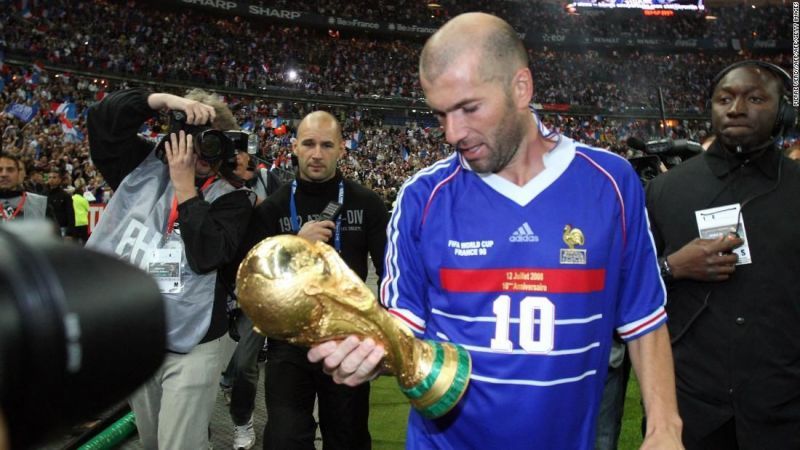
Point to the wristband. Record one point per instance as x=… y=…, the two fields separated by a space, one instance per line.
x=666 y=270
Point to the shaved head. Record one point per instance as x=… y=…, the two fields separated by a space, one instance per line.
x=320 y=120
x=499 y=48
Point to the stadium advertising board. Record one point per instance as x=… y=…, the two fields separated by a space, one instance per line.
x=246 y=9
x=672 y=5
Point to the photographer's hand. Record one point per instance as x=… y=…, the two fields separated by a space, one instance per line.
x=196 y=113
x=705 y=259
x=181 y=159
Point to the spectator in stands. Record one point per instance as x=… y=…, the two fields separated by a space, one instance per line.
x=35 y=182
x=181 y=217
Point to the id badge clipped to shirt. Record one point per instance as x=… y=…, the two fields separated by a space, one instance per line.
x=165 y=266
x=713 y=223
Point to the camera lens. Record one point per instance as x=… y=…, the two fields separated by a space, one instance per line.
x=79 y=331
x=210 y=145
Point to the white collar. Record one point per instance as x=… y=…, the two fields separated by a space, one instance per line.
x=555 y=162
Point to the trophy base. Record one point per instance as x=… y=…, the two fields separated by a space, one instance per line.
x=446 y=382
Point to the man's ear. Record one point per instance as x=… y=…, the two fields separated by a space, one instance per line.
x=522 y=88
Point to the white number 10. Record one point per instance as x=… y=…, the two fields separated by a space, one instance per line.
x=527 y=315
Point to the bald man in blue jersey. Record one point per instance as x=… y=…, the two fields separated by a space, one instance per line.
x=526 y=248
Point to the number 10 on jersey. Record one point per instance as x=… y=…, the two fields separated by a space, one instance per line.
x=536 y=334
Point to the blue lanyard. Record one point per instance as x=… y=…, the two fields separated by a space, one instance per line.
x=337 y=236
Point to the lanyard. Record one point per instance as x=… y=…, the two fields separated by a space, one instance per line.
x=6 y=217
x=337 y=236
x=173 y=212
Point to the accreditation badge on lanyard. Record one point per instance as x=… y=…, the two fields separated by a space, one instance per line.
x=166 y=263
x=713 y=223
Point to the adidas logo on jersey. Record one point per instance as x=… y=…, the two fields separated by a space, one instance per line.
x=524 y=234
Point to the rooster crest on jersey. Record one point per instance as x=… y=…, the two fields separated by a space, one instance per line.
x=573 y=237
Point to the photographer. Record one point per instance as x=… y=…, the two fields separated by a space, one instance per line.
x=179 y=217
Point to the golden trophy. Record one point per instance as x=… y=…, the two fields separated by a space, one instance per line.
x=303 y=292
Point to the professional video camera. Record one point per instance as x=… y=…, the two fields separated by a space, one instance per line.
x=660 y=155
x=79 y=332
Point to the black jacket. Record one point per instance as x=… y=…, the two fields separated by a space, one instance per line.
x=211 y=232
x=736 y=343
x=60 y=204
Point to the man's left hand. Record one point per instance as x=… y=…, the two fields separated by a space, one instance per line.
x=181 y=159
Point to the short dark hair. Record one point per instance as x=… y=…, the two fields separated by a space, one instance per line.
x=11 y=156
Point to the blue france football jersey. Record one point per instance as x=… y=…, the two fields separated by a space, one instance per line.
x=532 y=281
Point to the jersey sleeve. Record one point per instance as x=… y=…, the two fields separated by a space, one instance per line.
x=403 y=290
x=642 y=293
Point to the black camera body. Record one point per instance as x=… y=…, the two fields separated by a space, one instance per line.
x=212 y=146
x=215 y=147
x=669 y=152
x=79 y=331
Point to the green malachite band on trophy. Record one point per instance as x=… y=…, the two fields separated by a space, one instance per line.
x=424 y=386
x=453 y=394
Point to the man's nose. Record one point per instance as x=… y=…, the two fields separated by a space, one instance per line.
x=454 y=129
x=737 y=107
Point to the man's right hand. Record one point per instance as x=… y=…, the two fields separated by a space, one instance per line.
x=314 y=230
x=705 y=259
x=350 y=362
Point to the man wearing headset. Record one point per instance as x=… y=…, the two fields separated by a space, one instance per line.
x=725 y=227
x=178 y=213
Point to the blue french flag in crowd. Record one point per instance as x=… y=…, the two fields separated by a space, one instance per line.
x=70 y=132
x=248 y=125
x=69 y=109
x=23 y=112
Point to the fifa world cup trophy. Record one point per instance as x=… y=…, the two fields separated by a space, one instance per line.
x=304 y=293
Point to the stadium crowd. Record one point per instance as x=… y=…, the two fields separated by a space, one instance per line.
x=549 y=17
x=233 y=53
x=381 y=157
